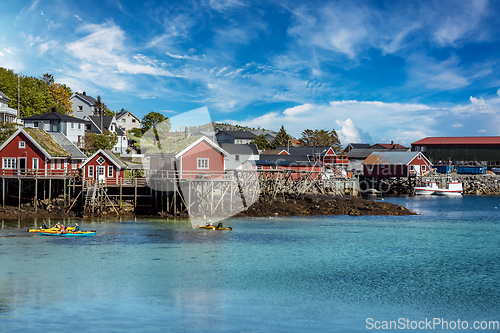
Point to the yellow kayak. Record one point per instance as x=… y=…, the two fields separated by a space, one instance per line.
x=50 y=229
x=213 y=227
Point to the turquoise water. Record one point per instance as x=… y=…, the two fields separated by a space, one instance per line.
x=320 y=274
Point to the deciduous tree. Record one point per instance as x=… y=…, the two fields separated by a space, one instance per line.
x=261 y=142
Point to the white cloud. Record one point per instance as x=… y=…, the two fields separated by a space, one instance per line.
x=457 y=125
x=348 y=133
x=436 y=75
x=482 y=131
x=476 y=101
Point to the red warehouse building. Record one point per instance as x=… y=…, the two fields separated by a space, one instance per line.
x=105 y=167
x=395 y=164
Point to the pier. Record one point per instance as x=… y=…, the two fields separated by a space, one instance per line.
x=166 y=192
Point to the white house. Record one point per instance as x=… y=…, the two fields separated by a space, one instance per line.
x=7 y=114
x=127 y=120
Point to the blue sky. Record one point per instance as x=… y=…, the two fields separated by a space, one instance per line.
x=375 y=71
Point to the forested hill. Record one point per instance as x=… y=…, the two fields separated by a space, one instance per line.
x=37 y=95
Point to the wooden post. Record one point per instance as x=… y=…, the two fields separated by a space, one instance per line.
x=64 y=191
x=189 y=194
x=231 y=197
x=19 y=198
x=175 y=199
x=135 y=192
x=35 y=202
x=121 y=192
x=50 y=189
x=3 y=190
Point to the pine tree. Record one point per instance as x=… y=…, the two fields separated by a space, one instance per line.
x=282 y=139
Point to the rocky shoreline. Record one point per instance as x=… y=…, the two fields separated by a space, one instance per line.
x=305 y=205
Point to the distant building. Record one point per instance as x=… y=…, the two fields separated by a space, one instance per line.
x=238 y=137
x=357 y=155
x=83 y=105
x=475 y=150
x=325 y=155
x=240 y=155
x=352 y=146
x=127 y=120
x=7 y=114
x=108 y=124
x=391 y=145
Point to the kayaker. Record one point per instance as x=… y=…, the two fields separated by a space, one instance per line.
x=44 y=226
x=219 y=225
x=77 y=227
x=209 y=224
x=63 y=230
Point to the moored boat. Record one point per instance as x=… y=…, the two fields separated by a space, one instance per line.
x=69 y=234
x=428 y=188
x=452 y=189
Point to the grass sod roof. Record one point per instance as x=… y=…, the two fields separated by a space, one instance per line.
x=47 y=143
x=172 y=145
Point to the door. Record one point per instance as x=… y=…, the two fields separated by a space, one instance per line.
x=22 y=165
x=101 y=173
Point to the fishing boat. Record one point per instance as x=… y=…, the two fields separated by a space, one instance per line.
x=69 y=234
x=452 y=189
x=428 y=188
x=213 y=227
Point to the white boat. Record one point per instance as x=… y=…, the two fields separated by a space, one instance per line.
x=428 y=188
x=453 y=189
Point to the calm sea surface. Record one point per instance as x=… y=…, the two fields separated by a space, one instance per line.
x=319 y=274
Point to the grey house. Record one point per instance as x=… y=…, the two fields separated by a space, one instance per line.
x=83 y=105
x=240 y=155
x=238 y=137
x=73 y=128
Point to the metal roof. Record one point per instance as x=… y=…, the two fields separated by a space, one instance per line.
x=3 y=96
x=358 y=153
x=460 y=140
x=389 y=145
x=240 y=134
x=392 y=157
x=89 y=99
x=310 y=151
x=54 y=115
x=67 y=145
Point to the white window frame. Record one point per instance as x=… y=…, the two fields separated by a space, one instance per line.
x=423 y=167
x=110 y=171
x=9 y=163
x=91 y=171
x=35 y=164
x=73 y=164
x=22 y=144
x=202 y=163
x=72 y=125
x=53 y=164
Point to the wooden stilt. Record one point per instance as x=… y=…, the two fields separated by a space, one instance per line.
x=35 y=201
x=19 y=183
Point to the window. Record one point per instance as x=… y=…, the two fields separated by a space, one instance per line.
x=422 y=148
x=124 y=120
x=133 y=120
x=8 y=163
x=423 y=168
x=72 y=125
x=100 y=171
x=79 y=126
x=100 y=160
x=80 y=107
x=35 y=164
x=35 y=124
x=91 y=171
x=22 y=144
x=172 y=164
x=419 y=157
x=88 y=127
x=110 y=171
x=73 y=164
x=237 y=157
x=112 y=128
x=202 y=163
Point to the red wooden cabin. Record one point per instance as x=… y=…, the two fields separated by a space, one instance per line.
x=202 y=158
x=395 y=164
x=104 y=166
x=30 y=152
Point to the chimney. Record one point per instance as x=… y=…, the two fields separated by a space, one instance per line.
x=54 y=109
x=84 y=93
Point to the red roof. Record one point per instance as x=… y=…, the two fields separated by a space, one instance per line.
x=459 y=140
x=389 y=145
